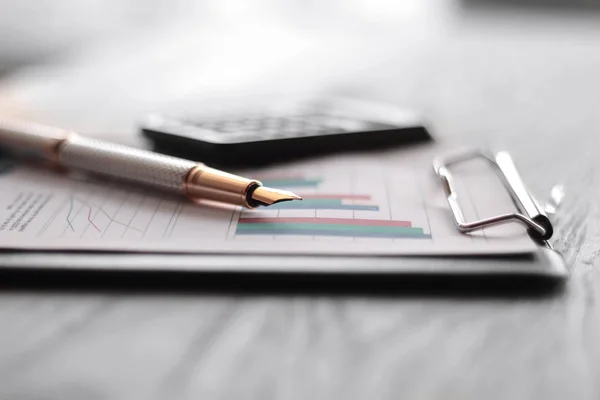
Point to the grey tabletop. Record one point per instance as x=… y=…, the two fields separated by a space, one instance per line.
x=523 y=80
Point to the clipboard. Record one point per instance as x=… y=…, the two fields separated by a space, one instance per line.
x=543 y=264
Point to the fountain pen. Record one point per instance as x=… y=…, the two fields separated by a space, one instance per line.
x=194 y=180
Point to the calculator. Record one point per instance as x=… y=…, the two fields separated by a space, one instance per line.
x=259 y=131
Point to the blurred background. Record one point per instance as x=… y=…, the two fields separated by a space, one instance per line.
x=471 y=67
x=520 y=74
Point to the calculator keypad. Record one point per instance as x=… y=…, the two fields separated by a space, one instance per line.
x=270 y=127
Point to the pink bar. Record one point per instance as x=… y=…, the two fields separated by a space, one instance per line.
x=336 y=196
x=339 y=221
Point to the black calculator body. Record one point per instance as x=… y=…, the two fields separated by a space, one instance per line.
x=247 y=133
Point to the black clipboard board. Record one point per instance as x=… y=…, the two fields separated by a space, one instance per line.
x=543 y=265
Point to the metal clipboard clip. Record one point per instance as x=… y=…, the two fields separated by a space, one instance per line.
x=529 y=214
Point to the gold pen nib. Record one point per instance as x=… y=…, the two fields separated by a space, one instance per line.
x=265 y=196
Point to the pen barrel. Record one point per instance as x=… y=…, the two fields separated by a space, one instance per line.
x=30 y=139
x=126 y=163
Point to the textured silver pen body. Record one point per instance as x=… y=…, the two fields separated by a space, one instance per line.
x=73 y=151
x=131 y=164
x=176 y=175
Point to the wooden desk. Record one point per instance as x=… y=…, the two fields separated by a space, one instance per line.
x=529 y=84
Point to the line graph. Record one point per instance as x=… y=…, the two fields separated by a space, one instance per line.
x=91 y=210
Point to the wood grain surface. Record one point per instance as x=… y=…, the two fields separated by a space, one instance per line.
x=523 y=80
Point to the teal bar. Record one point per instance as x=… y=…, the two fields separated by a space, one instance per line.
x=322 y=204
x=291 y=182
x=297 y=227
x=276 y=232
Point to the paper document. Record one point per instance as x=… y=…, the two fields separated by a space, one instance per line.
x=350 y=207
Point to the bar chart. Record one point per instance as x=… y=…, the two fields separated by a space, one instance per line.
x=332 y=208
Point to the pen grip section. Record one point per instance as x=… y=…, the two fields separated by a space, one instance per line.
x=205 y=183
x=127 y=163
